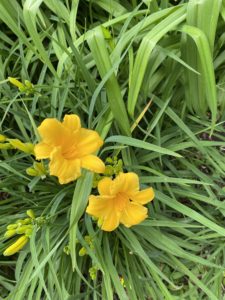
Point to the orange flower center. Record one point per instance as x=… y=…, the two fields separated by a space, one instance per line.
x=69 y=152
x=121 y=201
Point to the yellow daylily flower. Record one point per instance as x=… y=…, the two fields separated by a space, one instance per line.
x=120 y=201
x=69 y=148
x=17 y=246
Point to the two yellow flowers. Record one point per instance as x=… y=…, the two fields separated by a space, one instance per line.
x=69 y=147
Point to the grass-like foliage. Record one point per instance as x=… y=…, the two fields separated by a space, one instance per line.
x=149 y=77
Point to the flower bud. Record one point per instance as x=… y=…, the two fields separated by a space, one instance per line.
x=2 y=138
x=82 y=251
x=10 y=233
x=17 y=246
x=30 y=213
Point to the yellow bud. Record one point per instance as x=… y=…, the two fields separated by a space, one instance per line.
x=5 y=146
x=30 y=171
x=22 y=229
x=87 y=238
x=9 y=233
x=109 y=170
x=29 y=231
x=23 y=222
x=93 y=272
x=17 y=246
x=39 y=166
x=109 y=160
x=26 y=221
x=19 y=222
x=82 y=251
x=30 y=213
x=106 y=33
x=25 y=147
x=66 y=250
x=122 y=281
x=16 y=82
x=2 y=138
x=28 y=84
x=12 y=226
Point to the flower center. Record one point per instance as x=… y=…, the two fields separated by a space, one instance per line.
x=69 y=152
x=121 y=201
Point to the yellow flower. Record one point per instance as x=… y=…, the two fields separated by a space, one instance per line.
x=17 y=246
x=69 y=148
x=120 y=201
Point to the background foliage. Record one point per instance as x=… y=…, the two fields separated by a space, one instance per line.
x=145 y=74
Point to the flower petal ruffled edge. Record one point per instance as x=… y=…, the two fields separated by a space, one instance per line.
x=133 y=214
x=89 y=141
x=125 y=182
x=52 y=132
x=71 y=122
x=92 y=163
x=42 y=150
x=144 y=196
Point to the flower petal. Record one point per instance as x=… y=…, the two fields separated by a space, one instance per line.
x=88 y=142
x=118 y=184
x=42 y=150
x=99 y=206
x=92 y=163
x=144 y=196
x=111 y=221
x=102 y=207
x=71 y=122
x=65 y=170
x=52 y=132
x=104 y=186
x=133 y=214
x=127 y=183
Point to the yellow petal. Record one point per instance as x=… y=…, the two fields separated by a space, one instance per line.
x=133 y=214
x=144 y=196
x=131 y=183
x=65 y=170
x=71 y=122
x=88 y=142
x=102 y=207
x=118 y=184
x=104 y=186
x=42 y=150
x=99 y=206
x=53 y=132
x=111 y=221
x=125 y=182
x=92 y=163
